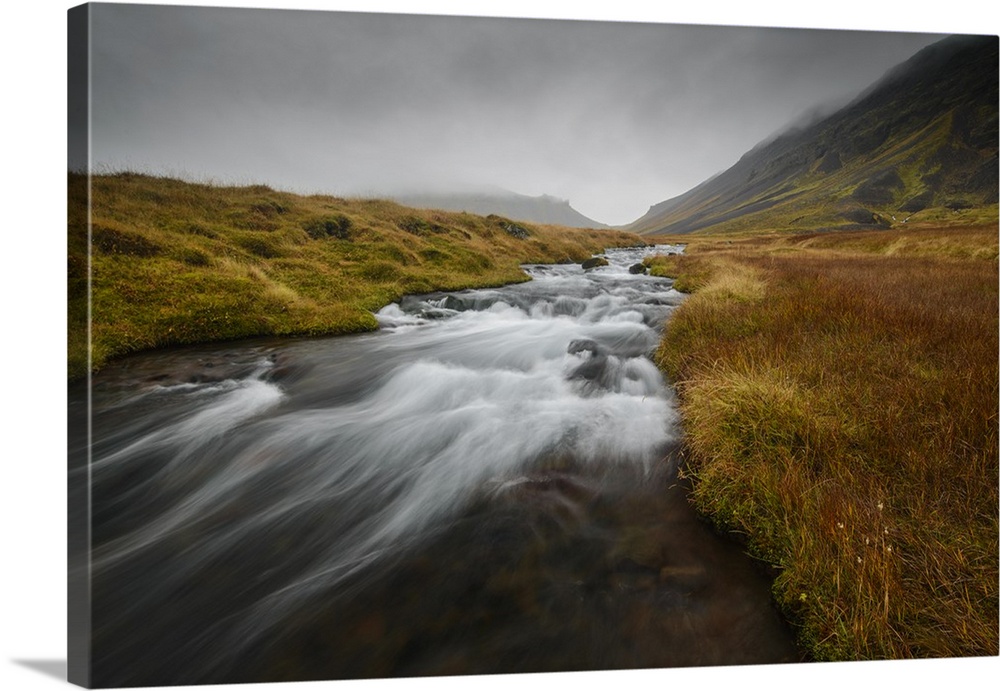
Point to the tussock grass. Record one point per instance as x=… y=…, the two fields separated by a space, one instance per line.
x=842 y=416
x=174 y=263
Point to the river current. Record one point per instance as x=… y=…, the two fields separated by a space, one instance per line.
x=486 y=484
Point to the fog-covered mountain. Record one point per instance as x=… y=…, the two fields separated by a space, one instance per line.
x=544 y=209
x=921 y=139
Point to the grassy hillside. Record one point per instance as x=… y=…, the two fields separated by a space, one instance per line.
x=839 y=395
x=176 y=263
x=920 y=146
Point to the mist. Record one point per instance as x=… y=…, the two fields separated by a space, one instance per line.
x=612 y=116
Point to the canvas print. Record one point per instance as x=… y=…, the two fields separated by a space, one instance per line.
x=406 y=345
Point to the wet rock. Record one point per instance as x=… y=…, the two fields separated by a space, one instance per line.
x=592 y=369
x=594 y=262
x=583 y=345
x=284 y=368
x=637 y=269
x=434 y=313
x=453 y=302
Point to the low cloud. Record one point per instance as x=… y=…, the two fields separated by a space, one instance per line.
x=612 y=116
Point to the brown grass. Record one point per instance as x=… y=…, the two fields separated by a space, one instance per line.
x=840 y=405
x=171 y=262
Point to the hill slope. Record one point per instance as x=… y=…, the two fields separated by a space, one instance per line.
x=173 y=262
x=920 y=143
x=543 y=209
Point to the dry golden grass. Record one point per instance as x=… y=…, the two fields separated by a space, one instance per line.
x=842 y=415
x=171 y=262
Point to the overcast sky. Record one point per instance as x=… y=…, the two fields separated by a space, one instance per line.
x=612 y=116
x=34 y=305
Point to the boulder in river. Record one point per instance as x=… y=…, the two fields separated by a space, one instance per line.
x=637 y=269
x=581 y=345
x=594 y=262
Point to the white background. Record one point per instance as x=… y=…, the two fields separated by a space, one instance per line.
x=32 y=362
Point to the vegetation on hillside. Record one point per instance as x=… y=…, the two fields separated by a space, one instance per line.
x=173 y=262
x=920 y=146
x=839 y=397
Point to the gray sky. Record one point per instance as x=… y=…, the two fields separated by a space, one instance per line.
x=612 y=116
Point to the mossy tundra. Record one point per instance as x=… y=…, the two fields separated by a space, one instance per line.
x=838 y=393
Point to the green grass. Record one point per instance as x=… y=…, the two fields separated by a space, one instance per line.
x=174 y=263
x=804 y=199
x=839 y=397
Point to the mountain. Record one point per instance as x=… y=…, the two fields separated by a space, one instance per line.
x=519 y=207
x=920 y=143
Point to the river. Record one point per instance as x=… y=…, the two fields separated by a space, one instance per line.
x=486 y=484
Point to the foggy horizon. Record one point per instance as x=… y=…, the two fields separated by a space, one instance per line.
x=613 y=117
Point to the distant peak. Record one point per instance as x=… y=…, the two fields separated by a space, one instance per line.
x=544 y=208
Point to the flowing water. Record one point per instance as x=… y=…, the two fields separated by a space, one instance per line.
x=486 y=484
